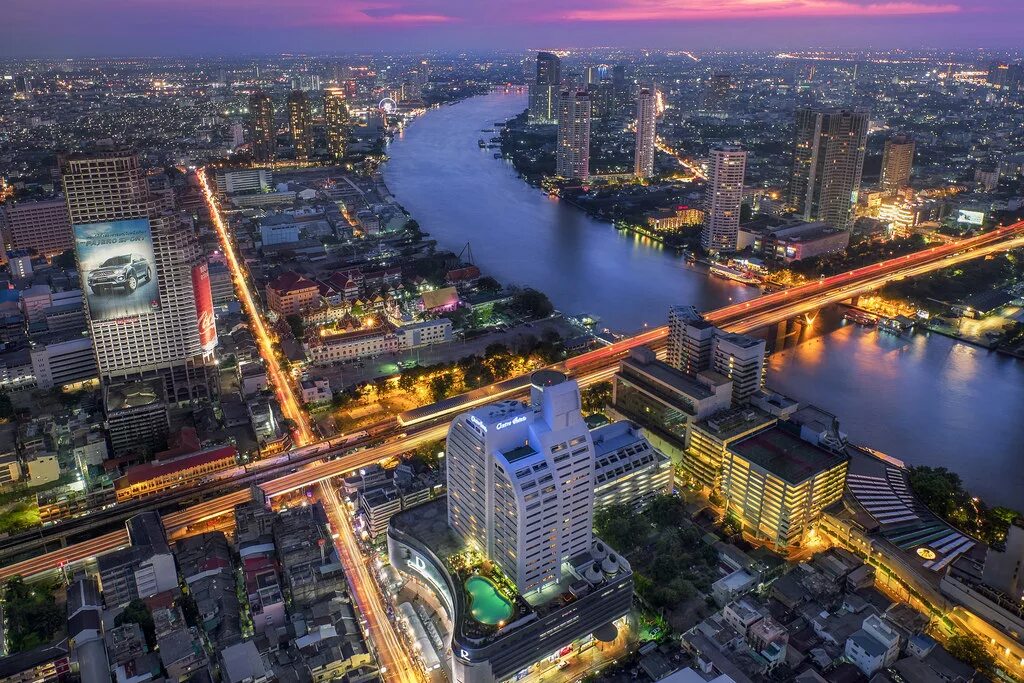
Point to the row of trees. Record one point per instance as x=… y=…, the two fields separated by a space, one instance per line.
x=671 y=562
x=944 y=494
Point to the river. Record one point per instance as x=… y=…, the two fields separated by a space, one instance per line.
x=924 y=399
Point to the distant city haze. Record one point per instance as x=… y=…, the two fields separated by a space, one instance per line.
x=237 y=27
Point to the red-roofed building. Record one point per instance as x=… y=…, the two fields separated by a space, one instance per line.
x=162 y=475
x=461 y=277
x=291 y=293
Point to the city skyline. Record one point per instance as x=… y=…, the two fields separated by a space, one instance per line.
x=229 y=28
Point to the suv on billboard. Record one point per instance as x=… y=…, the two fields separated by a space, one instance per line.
x=123 y=272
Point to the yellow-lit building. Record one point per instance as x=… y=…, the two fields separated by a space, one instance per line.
x=777 y=484
x=336 y=114
x=710 y=438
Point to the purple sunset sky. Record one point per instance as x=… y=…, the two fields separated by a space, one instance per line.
x=170 y=27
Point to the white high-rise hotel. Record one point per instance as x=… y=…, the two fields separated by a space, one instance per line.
x=165 y=340
x=521 y=481
x=572 y=156
x=643 y=163
x=722 y=198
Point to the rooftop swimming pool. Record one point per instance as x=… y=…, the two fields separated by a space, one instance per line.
x=485 y=603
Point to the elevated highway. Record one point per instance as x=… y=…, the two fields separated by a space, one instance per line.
x=431 y=422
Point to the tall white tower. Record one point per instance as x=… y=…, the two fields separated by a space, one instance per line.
x=573 y=152
x=521 y=481
x=643 y=163
x=722 y=198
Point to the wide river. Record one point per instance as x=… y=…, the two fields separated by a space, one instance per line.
x=926 y=399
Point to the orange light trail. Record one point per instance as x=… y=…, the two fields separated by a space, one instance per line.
x=283 y=388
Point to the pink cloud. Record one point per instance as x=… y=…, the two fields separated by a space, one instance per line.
x=696 y=10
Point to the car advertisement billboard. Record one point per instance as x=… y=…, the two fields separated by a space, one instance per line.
x=204 y=306
x=118 y=268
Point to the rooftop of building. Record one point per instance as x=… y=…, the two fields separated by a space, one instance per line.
x=134 y=395
x=728 y=423
x=642 y=360
x=289 y=282
x=785 y=454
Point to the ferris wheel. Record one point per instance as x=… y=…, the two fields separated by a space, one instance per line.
x=388 y=105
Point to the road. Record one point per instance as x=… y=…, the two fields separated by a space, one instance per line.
x=393 y=658
x=282 y=386
x=601 y=363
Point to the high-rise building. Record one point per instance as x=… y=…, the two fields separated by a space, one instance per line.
x=136 y=265
x=544 y=88
x=741 y=359
x=643 y=161
x=723 y=198
x=41 y=226
x=501 y=457
x=572 y=155
x=518 y=514
x=300 y=120
x=336 y=114
x=897 y=161
x=690 y=339
x=828 y=158
x=262 y=133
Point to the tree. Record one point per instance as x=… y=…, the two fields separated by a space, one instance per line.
x=970 y=649
x=441 y=386
x=532 y=304
x=137 y=613
x=6 y=407
x=407 y=379
x=32 y=615
x=297 y=326
x=66 y=260
x=595 y=397
x=488 y=284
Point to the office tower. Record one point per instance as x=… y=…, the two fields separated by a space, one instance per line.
x=741 y=359
x=777 y=484
x=306 y=82
x=690 y=340
x=722 y=198
x=665 y=401
x=828 y=157
x=572 y=155
x=500 y=456
x=544 y=88
x=300 y=124
x=717 y=92
x=42 y=226
x=137 y=269
x=262 y=133
x=237 y=135
x=595 y=74
x=643 y=161
x=336 y=114
x=1005 y=76
x=897 y=161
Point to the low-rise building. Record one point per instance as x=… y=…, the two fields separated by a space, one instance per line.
x=424 y=333
x=710 y=438
x=291 y=293
x=627 y=468
x=163 y=475
x=141 y=570
x=316 y=390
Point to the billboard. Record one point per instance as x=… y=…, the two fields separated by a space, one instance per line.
x=118 y=268
x=970 y=217
x=204 y=306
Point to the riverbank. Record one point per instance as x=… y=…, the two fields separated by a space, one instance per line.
x=925 y=399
